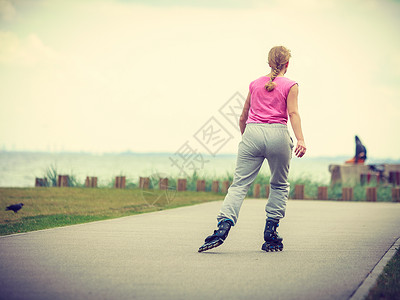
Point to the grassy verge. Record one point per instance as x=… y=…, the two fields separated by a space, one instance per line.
x=388 y=283
x=54 y=207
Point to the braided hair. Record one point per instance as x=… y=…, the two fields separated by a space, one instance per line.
x=278 y=57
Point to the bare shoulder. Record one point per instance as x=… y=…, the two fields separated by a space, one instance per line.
x=294 y=89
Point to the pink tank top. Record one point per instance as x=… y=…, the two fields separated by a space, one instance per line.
x=269 y=107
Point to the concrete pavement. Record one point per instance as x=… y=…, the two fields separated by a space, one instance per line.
x=330 y=248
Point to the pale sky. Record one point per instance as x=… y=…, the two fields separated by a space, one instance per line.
x=146 y=76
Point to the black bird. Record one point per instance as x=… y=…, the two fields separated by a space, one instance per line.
x=15 y=207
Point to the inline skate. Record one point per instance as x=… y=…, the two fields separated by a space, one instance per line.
x=219 y=235
x=273 y=242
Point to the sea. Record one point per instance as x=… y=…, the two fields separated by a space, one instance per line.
x=19 y=169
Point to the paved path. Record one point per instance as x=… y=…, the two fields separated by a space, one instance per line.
x=330 y=248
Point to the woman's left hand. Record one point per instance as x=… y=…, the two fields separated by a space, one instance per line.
x=300 y=149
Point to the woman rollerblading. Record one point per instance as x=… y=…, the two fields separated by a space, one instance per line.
x=271 y=101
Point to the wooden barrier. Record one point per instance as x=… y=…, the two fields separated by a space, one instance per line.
x=299 y=191
x=396 y=194
x=267 y=190
x=322 y=193
x=347 y=194
x=371 y=194
x=225 y=186
x=181 y=185
x=63 y=181
x=215 y=186
x=394 y=178
x=256 y=191
x=91 y=182
x=120 y=182
x=40 y=182
x=163 y=184
x=144 y=182
x=201 y=186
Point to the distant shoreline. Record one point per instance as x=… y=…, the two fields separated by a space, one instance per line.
x=370 y=160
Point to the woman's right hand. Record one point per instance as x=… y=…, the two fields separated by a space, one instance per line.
x=300 y=148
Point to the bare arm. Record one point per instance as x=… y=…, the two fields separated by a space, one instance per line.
x=245 y=114
x=295 y=120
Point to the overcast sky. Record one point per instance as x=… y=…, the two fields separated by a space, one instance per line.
x=149 y=76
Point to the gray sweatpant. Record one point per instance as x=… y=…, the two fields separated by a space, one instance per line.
x=259 y=142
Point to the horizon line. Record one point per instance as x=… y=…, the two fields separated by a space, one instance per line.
x=164 y=153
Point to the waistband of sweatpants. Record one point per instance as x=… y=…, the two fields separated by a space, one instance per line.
x=268 y=125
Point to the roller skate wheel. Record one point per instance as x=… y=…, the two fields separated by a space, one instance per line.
x=211 y=245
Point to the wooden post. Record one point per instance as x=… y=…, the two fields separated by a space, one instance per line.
x=394 y=178
x=322 y=193
x=144 y=182
x=201 y=186
x=347 y=194
x=120 y=182
x=63 y=181
x=181 y=185
x=87 y=181
x=396 y=194
x=371 y=194
x=123 y=183
x=117 y=182
x=225 y=186
x=299 y=191
x=91 y=182
x=267 y=190
x=256 y=191
x=215 y=186
x=40 y=182
x=66 y=180
x=163 y=184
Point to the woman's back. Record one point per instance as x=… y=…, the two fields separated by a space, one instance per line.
x=269 y=107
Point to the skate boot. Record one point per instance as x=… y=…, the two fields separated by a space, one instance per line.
x=273 y=242
x=218 y=237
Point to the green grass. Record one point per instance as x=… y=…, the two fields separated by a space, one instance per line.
x=39 y=222
x=54 y=207
x=388 y=283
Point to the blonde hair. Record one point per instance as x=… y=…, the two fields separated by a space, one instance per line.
x=278 y=57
